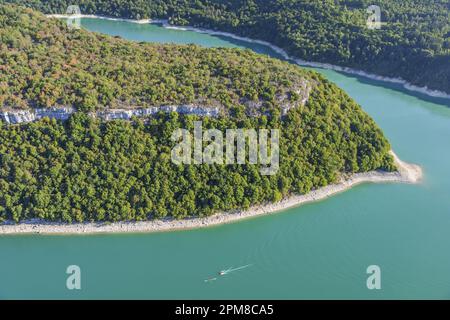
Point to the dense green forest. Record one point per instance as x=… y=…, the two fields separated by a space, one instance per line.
x=44 y=65
x=414 y=42
x=85 y=169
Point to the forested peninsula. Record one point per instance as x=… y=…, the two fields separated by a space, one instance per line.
x=413 y=43
x=86 y=169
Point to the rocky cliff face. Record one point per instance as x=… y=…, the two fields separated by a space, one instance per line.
x=303 y=91
x=25 y=116
x=181 y=109
x=12 y=116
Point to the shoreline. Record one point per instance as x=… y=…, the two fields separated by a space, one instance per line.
x=407 y=173
x=406 y=85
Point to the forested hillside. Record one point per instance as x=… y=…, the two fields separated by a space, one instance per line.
x=85 y=169
x=414 y=42
x=45 y=65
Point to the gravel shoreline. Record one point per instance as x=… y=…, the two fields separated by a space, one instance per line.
x=407 y=173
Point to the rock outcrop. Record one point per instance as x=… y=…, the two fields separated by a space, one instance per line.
x=25 y=116
x=124 y=114
x=12 y=116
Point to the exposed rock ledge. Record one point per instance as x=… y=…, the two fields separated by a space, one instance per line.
x=25 y=116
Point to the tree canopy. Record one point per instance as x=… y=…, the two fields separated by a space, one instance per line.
x=44 y=64
x=85 y=169
x=414 y=42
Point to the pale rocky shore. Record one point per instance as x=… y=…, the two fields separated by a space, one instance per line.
x=407 y=173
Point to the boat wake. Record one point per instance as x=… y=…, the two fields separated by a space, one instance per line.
x=227 y=271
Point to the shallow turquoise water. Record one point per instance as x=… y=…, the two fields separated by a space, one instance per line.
x=319 y=250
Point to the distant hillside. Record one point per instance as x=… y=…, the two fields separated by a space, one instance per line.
x=413 y=43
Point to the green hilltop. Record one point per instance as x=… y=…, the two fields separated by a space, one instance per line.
x=85 y=169
x=413 y=43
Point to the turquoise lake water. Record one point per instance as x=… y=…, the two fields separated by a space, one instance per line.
x=320 y=250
